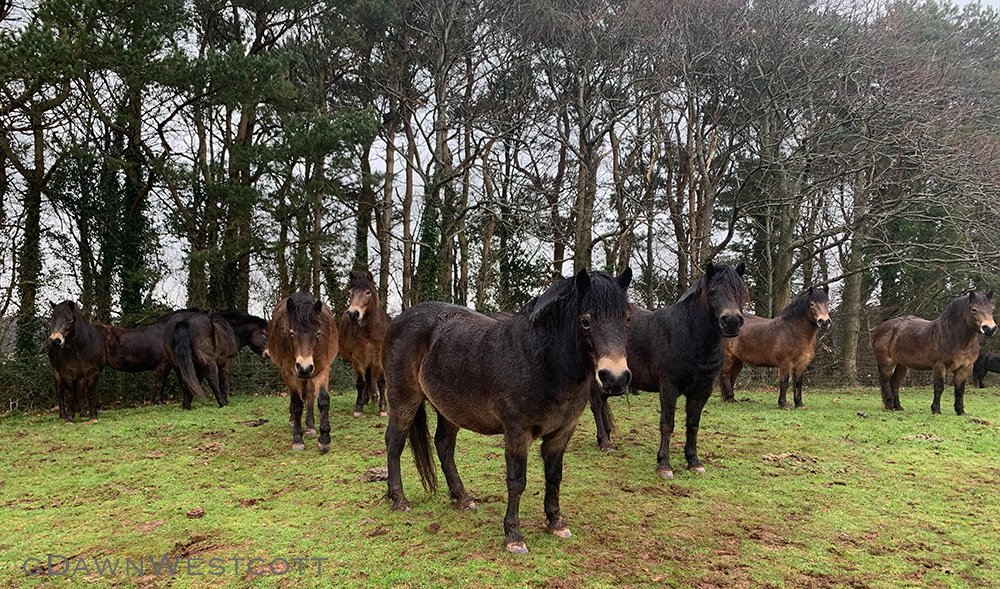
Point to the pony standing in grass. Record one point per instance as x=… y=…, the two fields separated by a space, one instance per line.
x=948 y=344
x=787 y=342
x=77 y=354
x=526 y=377
x=362 y=331
x=302 y=342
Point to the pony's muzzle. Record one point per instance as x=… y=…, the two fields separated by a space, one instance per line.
x=304 y=370
x=823 y=323
x=989 y=330
x=614 y=375
x=57 y=340
x=354 y=316
x=731 y=323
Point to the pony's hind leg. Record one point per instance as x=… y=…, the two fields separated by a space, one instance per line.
x=295 y=405
x=553 y=449
x=797 y=376
x=212 y=376
x=783 y=378
x=516 y=444
x=731 y=367
x=162 y=372
x=90 y=389
x=383 y=408
x=444 y=439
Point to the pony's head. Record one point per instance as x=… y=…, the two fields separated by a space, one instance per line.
x=725 y=294
x=597 y=305
x=306 y=326
x=362 y=295
x=818 y=300
x=64 y=316
x=980 y=314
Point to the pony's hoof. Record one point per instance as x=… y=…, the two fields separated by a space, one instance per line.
x=783 y=407
x=401 y=505
x=324 y=448
x=698 y=468
x=298 y=447
x=311 y=432
x=357 y=414
x=563 y=533
x=606 y=447
x=665 y=473
x=517 y=547
x=729 y=399
x=383 y=414
x=800 y=406
x=468 y=504
x=960 y=413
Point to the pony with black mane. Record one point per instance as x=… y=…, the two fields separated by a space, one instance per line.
x=200 y=347
x=362 y=331
x=949 y=343
x=526 y=377
x=302 y=342
x=787 y=342
x=77 y=354
x=677 y=351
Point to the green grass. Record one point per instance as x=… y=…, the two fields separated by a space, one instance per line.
x=814 y=498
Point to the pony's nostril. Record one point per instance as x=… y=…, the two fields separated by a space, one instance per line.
x=604 y=376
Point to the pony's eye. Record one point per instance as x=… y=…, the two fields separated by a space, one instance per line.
x=319 y=332
x=368 y=293
x=291 y=332
x=585 y=322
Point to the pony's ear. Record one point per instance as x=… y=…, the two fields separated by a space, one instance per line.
x=582 y=281
x=371 y=276
x=709 y=269
x=989 y=296
x=290 y=305
x=318 y=307
x=811 y=289
x=72 y=305
x=51 y=304
x=741 y=269
x=625 y=279
x=826 y=288
x=972 y=296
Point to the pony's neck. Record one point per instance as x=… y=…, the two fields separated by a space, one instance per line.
x=560 y=353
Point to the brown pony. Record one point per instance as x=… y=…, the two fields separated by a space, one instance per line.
x=302 y=342
x=787 y=342
x=946 y=344
x=77 y=355
x=526 y=377
x=200 y=347
x=362 y=330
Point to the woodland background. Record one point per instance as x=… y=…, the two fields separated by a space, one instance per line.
x=218 y=153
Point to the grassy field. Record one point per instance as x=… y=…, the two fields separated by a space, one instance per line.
x=841 y=494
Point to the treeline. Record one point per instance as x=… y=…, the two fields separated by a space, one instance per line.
x=467 y=150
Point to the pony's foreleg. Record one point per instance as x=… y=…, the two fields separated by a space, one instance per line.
x=726 y=380
x=938 y=380
x=65 y=412
x=310 y=416
x=295 y=409
x=162 y=372
x=323 y=402
x=90 y=388
x=694 y=403
x=212 y=376
x=961 y=377
x=597 y=407
x=783 y=378
x=362 y=396
x=553 y=448
x=797 y=377
x=444 y=440
x=668 y=406
x=516 y=444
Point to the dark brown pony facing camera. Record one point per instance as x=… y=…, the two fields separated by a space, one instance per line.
x=949 y=343
x=525 y=377
x=677 y=351
x=787 y=342
x=77 y=355
x=362 y=332
x=302 y=342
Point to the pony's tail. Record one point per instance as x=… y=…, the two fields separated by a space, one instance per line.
x=180 y=341
x=420 y=442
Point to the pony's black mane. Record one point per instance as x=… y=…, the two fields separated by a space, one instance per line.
x=958 y=309
x=238 y=316
x=603 y=296
x=800 y=304
x=725 y=277
x=303 y=315
x=359 y=279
